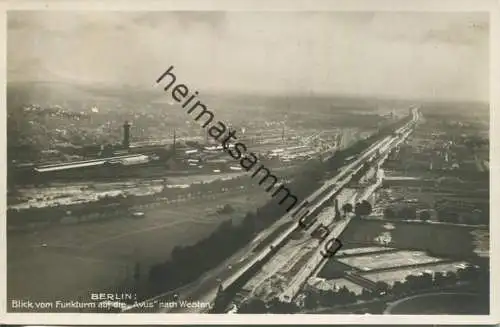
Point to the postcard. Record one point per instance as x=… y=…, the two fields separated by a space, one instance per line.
x=236 y=162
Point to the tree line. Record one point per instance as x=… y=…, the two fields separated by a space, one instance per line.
x=187 y=263
x=475 y=277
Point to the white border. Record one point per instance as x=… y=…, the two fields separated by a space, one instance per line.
x=491 y=6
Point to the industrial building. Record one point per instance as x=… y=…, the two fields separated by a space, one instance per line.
x=124 y=160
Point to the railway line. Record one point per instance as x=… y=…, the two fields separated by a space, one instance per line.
x=243 y=266
x=305 y=252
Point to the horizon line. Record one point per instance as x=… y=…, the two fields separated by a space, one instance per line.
x=211 y=92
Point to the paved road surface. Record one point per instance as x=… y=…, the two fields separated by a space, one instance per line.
x=226 y=273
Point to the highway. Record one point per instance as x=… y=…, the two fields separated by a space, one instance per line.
x=288 y=265
x=300 y=257
x=232 y=269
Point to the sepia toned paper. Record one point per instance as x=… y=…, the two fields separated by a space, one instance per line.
x=231 y=162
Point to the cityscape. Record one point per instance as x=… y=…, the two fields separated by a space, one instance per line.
x=120 y=201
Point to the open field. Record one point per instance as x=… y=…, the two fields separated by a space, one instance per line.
x=391 y=277
x=64 y=194
x=94 y=256
x=442 y=239
x=386 y=260
x=440 y=303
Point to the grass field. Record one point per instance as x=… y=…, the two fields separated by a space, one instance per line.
x=66 y=262
x=447 y=240
x=391 y=277
x=441 y=303
x=385 y=260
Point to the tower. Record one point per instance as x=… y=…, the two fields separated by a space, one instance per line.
x=126 y=135
x=174 y=141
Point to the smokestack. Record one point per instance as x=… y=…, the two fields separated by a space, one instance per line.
x=175 y=139
x=126 y=135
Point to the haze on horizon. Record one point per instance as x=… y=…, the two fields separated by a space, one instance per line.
x=433 y=56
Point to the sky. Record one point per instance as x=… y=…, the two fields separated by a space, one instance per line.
x=403 y=55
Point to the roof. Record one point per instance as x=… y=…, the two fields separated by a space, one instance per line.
x=84 y=163
x=70 y=166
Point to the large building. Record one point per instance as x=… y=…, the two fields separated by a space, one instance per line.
x=113 y=161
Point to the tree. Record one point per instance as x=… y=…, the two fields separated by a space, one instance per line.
x=408 y=213
x=347 y=208
x=468 y=273
x=364 y=208
x=276 y=306
x=411 y=282
x=425 y=215
x=439 y=279
x=381 y=287
x=253 y=306
x=311 y=300
x=365 y=294
x=426 y=280
x=345 y=296
x=451 y=278
x=220 y=301
x=389 y=213
x=398 y=288
x=446 y=215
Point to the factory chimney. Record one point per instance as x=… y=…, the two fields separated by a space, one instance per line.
x=174 y=143
x=126 y=135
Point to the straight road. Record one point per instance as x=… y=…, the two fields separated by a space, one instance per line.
x=235 y=266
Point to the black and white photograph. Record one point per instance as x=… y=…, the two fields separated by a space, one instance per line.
x=248 y=162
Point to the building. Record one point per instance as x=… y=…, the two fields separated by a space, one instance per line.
x=126 y=135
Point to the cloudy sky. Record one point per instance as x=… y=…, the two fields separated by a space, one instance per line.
x=407 y=55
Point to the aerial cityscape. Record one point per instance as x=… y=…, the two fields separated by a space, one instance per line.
x=308 y=174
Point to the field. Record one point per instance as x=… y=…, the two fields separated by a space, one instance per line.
x=65 y=194
x=428 y=247
x=66 y=262
x=441 y=303
x=399 y=275
x=387 y=260
x=442 y=239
